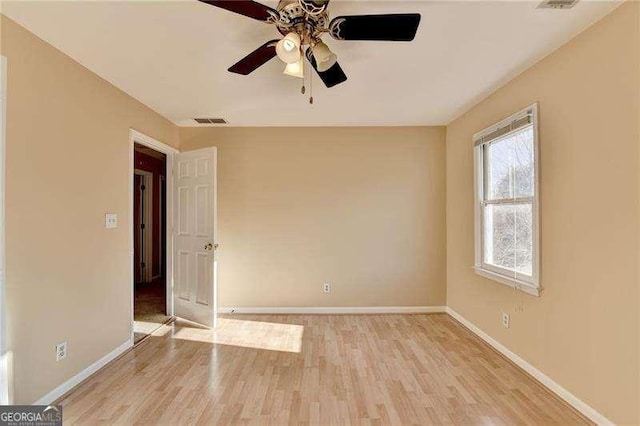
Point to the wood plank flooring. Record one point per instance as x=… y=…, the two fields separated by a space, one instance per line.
x=315 y=369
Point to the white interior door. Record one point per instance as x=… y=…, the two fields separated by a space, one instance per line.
x=194 y=293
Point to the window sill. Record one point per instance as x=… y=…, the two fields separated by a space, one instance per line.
x=511 y=282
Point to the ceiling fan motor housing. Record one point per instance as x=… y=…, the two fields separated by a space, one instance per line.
x=314 y=7
x=307 y=18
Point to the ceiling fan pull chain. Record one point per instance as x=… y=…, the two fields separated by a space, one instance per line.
x=310 y=89
x=304 y=74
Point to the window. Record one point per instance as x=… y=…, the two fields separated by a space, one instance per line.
x=506 y=214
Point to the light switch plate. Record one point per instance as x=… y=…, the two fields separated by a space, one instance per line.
x=111 y=220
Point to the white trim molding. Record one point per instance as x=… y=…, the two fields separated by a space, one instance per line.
x=84 y=374
x=511 y=282
x=545 y=380
x=150 y=142
x=335 y=310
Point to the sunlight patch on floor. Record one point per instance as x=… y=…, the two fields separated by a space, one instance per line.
x=145 y=327
x=249 y=334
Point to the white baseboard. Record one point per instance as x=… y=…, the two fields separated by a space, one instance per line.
x=549 y=383
x=75 y=380
x=336 y=310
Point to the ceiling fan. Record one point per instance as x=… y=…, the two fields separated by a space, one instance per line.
x=303 y=23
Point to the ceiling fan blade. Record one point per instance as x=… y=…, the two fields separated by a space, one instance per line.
x=249 y=8
x=331 y=77
x=397 y=27
x=255 y=59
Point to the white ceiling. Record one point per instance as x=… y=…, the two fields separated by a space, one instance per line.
x=173 y=57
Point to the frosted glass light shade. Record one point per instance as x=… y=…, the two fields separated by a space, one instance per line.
x=295 y=69
x=288 y=49
x=325 y=58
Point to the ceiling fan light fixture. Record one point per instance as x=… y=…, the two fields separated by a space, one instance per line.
x=325 y=58
x=295 y=69
x=288 y=49
x=288 y=45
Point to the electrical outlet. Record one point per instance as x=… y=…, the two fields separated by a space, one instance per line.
x=61 y=351
x=111 y=220
x=326 y=287
x=506 y=321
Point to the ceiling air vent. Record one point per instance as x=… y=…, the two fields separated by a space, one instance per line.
x=210 y=120
x=557 y=4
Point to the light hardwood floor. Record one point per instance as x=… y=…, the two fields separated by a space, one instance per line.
x=315 y=369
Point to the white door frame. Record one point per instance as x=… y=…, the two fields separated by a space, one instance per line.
x=142 y=139
x=148 y=224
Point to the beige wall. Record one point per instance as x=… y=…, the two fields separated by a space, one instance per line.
x=361 y=208
x=67 y=162
x=583 y=331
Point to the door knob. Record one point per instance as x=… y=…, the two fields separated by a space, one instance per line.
x=208 y=246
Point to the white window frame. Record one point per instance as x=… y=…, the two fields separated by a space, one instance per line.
x=530 y=285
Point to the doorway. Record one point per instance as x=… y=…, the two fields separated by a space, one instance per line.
x=150 y=307
x=187 y=256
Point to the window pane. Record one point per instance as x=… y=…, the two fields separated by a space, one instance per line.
x=509 y=166
x=523 y=162
x=507 y=237
x=499 y=236
x=524 y=243
x=499 y=160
